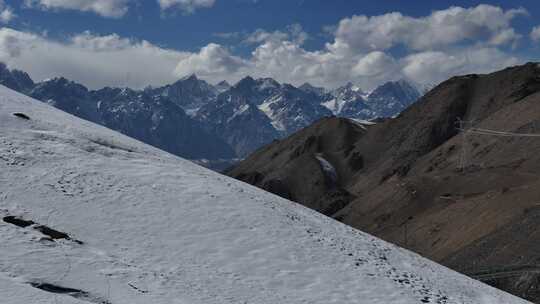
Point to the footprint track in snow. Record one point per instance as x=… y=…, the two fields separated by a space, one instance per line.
x=377 y=258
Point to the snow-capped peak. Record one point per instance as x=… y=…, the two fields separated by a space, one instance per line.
x=268 y=83
x=307 y=87
x=222 y=86
x=191 y=77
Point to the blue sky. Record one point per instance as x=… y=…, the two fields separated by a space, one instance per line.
x=140 y=42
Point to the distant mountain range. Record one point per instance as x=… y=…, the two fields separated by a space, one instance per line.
x=196 y=120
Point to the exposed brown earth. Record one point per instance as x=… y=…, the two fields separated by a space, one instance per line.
x=468 y=200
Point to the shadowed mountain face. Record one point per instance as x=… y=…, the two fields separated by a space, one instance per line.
x=392 y=97
x=238 y=121
x=466 y=199
x=189 y=93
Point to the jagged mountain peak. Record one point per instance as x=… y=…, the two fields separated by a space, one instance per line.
x=349 y=89
x=288 y=86
x=59 y=79
x=347 y=92
x=192 y=77
x=349 y=85
x=15 y=79
x=190 y=93
x=59 y=83
x=222 y=86
x=247 y=81
x=268 y=83
x=192 y=82
x=396 y=87
x=124 y=92
x=401 y=83
x=392 y=97
x=256 y=90
x=308 y=87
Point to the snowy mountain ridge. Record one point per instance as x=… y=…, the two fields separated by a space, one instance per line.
x=270 y=109
x=92 y=216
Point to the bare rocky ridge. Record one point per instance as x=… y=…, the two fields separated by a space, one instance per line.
x=467 y=201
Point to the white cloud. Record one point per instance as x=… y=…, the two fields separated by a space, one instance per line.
x=440 y=29
x=361 y=48
x=95 y=61
x=187 y=6
x=374 y=64
x=6 y=13
x=445 y=43
x=507 y=36
x=108 y=43
x=289 y=62
x=229 y=35
x=260 y=36
x=437 y=66
x=293 y=32
x=105 y=8
x=213 y=62
x=535 y=34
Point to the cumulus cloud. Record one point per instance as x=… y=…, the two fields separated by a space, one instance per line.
x=107 y=43
x=445 y=43
x=289 y=62
x=105 y=8
x=507 y=36
x=437 y=66
x=212 y=61
x=535 y=34
x=438 y=30
x=187 y=6
x=374 y=64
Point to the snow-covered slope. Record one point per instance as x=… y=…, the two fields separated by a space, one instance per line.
x=148 y=227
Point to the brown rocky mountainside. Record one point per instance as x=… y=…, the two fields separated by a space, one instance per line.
x=469 y=200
